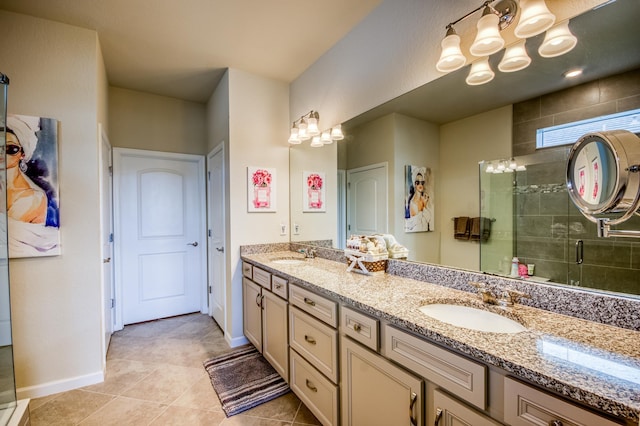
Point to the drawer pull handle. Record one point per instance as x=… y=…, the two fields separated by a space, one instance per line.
x=357 y=327
x=278 y=286
x=412 y=417
x=309 y=302
x=309 y=339
x=311 y=386
x=555 y=423
x=438 y=417
x=258 y=300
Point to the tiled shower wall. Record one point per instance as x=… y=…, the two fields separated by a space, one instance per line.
x=547 y=225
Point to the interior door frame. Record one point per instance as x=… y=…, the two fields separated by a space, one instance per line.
x=106 y=204
x=219 y=149
x=117 y=153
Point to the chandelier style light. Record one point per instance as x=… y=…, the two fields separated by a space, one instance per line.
x=535 y=18
x=306 y=127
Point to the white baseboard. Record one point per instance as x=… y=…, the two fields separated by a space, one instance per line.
x=58 y=386
x=236 y=341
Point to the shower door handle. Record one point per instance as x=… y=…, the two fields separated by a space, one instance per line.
x=579 y=252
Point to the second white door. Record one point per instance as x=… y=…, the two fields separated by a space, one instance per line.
x=367 y=200
x=160 y=233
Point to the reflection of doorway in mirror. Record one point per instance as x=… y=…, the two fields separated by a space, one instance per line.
x=418 y=206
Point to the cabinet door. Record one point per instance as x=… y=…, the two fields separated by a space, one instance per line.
x=448 y=412
x=252 y=312
x=376 y=392
x=275 y=320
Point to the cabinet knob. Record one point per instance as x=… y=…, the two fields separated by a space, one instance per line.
x=357 y=327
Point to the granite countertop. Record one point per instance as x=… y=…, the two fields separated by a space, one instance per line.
x=596 y=364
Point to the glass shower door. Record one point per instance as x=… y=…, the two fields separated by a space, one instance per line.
x=7 y=378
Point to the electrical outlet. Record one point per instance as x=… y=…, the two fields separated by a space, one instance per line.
x=296 y=229
x=283 y=229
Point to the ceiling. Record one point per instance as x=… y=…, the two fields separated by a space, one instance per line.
x=182 y=48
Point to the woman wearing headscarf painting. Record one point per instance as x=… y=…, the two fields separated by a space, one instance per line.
x=419 y=217
x=27 y=202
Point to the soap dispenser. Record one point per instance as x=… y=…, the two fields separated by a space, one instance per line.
x=515 y=262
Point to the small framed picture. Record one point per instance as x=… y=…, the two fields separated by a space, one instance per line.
x=261 y=189
x=313 y=188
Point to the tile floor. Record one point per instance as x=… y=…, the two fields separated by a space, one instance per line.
x=155 y=377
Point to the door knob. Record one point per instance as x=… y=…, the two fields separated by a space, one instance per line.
x=107 y=260
x=195 y=244
x=220 y=249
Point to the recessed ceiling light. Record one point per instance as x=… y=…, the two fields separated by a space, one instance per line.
x=572 y=73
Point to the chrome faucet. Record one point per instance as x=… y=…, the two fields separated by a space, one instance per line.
x=308 y=253
x=508 y=297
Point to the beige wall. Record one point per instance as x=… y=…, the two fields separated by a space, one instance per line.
x=56 y=71
x=141 y=120
x=258 y=133
x=463 y=144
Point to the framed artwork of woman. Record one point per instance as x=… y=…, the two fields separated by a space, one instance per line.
x=33 y=215
x=418 y=207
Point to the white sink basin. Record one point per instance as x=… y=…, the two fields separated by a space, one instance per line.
x=288 y=261
x=472 y=318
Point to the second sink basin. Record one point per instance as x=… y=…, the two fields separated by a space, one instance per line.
x=472 y=318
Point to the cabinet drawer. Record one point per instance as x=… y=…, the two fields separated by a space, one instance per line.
x=316 y=341
x=525 y=406
x=262 y=277
x=247 y=270
x=360 y=327
x=324 y=309
x=317 y=393
x=279 y=286
x=458 y=375
x=449 y=411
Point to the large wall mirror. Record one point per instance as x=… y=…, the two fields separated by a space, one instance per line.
x=453 y=130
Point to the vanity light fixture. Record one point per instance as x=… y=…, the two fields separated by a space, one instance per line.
x=306 y=127
x=535 y=18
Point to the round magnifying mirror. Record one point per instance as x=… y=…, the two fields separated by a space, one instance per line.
x=600 y=176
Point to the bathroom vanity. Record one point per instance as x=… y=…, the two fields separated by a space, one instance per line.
x=362 y=352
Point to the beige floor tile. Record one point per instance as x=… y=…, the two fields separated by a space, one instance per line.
x=125 y=412
x=282 y=408
x=165 y=384
x=181 y=416
x=305 y=417
x=69 y=408
x=201 y=396
x=243 y=420
x=121 y=374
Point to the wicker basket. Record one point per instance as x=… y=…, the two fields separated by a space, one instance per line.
x=365 y=263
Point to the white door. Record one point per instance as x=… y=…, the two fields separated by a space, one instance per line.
x=367 y=200
x=216 y=254
x=106 y=240
x=160 y=233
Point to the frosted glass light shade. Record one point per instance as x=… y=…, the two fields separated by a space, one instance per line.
x=336 y=133
x=515 y=58
x=312 y=126
x=325 y=138
x=451 y=57
x=535 y=18
x=480 y=73
x=557 y=41
x=316 y=142
x=293 y=138
x=302 y=132
x=488 y=40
